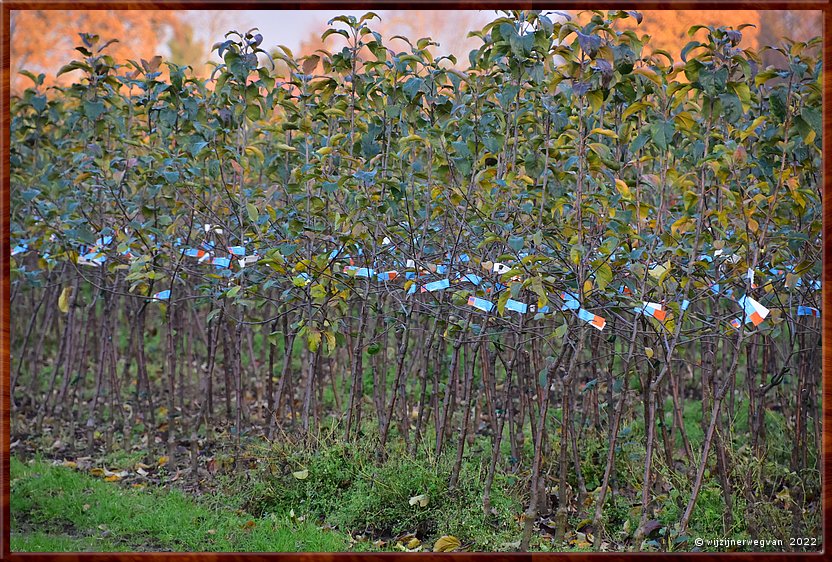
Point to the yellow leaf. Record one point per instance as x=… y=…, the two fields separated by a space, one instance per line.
x=784 y=495
x=256 y=151
x=313 y=339
x=605 y=132
x=657 y=271
x=97 y=471
x=70 y=464
x=587 y=287
x=411 y=138
x=413 y=543
x=623 y=188
x=649 y=352
x=162 y=461
x=448 y=543
x=301 y=474
x=649 y=74
x=330 y=340
x=63 y=300
x=681 y=225
x=112 y=478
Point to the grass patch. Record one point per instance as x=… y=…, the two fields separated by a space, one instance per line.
x=54 y=508
x=345 y=487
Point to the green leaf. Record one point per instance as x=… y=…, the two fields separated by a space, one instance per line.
x=603 y=276
x=253 y=214
x=253 y=111
x=516 y=243
x=640 y=141
x=313 y=340
x=93 y=109
x=74 y=65
x=501 y=302
x=663 y=133
x=301 y=474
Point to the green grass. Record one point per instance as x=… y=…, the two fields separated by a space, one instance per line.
x=39 y=541
x=348 y=489
x=58 y=509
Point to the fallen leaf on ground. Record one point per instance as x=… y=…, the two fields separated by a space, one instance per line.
x=448 y=543
x=652 y=526
x=301 y=474
x=422 y=500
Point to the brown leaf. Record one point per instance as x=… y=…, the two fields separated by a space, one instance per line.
x=652 y=526
x=153 y=65
x=310 y=64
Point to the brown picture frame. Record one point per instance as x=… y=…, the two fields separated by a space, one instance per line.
x=645 y=5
